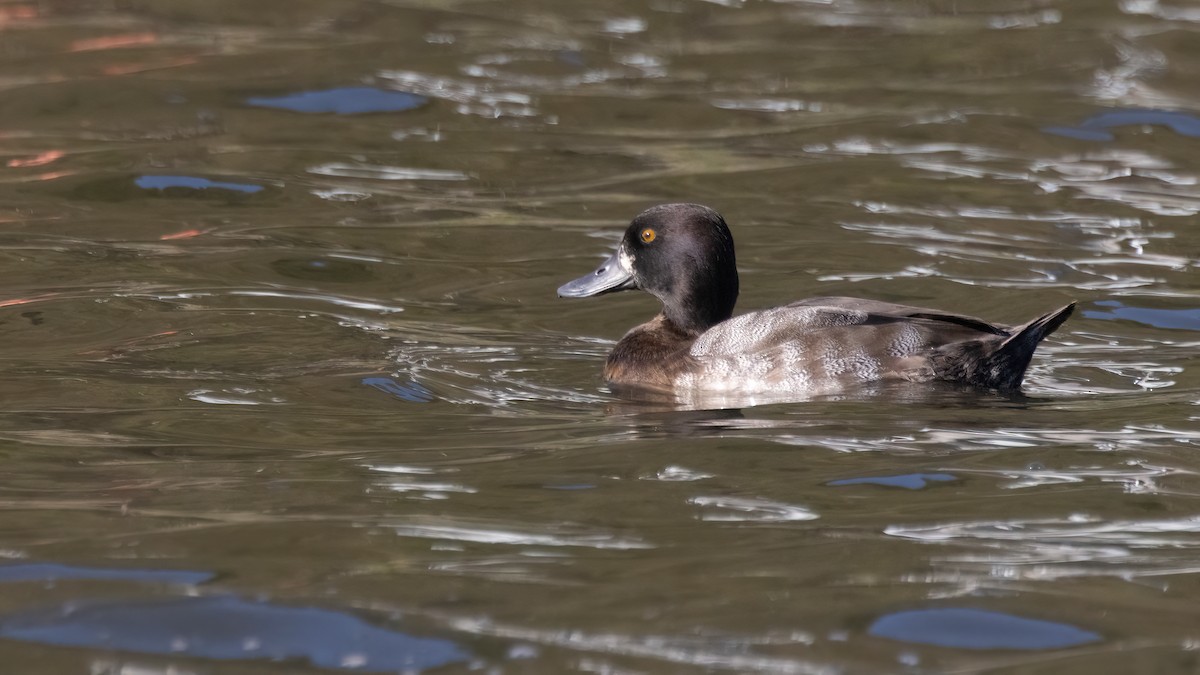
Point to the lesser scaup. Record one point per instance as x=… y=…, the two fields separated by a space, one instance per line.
x=683 y=255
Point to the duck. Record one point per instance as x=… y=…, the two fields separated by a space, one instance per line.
x=683 y=255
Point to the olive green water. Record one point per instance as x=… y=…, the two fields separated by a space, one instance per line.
x=324 y=413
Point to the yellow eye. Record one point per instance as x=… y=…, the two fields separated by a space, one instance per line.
x=648 y=235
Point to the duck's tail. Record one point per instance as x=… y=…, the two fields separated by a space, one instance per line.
x=999 y=364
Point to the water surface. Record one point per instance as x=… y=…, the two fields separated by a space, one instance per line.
x=286 y=380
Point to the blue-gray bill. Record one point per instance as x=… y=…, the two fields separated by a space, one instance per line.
x=612 y=275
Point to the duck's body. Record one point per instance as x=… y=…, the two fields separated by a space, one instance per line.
x=683 y=254
x=824 y=345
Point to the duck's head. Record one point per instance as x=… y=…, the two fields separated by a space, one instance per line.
x=681 y=254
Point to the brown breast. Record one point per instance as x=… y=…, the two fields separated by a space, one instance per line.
x=651 y=355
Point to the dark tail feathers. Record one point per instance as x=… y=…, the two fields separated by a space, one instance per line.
x=1026 y=337
x=998 y=364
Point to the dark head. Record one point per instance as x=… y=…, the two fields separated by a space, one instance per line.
x=681 y=254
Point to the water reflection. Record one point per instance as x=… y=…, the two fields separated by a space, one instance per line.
x=342 y=101
x=499 y=533
x=406 y=391
x=912 y=481
x=192 y=183
x=227 y=627
x=749 y=509
x=353 y=387
x=48 y=572
x=978 y=629
x=1060 y=548
x=1095 y=127
x=1183 y=319
x=713 y=652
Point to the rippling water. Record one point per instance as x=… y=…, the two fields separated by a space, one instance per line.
x=287 y=387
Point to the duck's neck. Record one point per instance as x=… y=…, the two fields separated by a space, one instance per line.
x=692 y=312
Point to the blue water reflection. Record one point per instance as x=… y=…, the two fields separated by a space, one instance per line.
x=58 y=572
x=1093 y=128
x=227 y=627
x=1186 y=319
x=908 y=481
x=406 y=391
x=342 y=101
x=192 y=182
x=978 y=629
